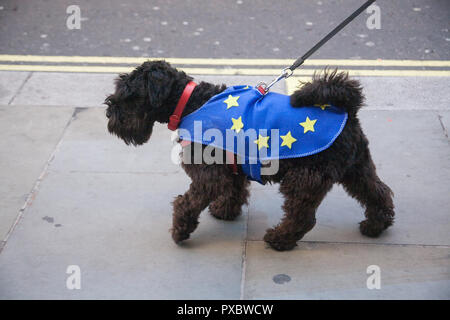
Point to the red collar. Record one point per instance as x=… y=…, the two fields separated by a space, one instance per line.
x=175 y=118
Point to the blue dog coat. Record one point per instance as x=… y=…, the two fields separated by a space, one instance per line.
x=256 y=128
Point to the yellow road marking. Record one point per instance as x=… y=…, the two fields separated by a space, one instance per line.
x=226 y=62
x=224 y=71
x=60 y=68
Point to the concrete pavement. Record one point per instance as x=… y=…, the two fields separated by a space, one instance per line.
x=71 y=194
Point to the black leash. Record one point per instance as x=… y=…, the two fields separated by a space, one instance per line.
x=287 y=72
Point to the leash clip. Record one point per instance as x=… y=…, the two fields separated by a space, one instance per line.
x=263 y=88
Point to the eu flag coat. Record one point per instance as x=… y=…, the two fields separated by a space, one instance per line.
x=259 y=127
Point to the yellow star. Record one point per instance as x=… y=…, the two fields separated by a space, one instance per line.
x=308 y=125
x=232 y=101
x=237 y=124
x=322 y=106
x=262 y=142
x=288 y=140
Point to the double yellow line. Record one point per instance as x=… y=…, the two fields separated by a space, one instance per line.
x=228 y=67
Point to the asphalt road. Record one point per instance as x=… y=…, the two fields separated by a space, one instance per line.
x=410 y=29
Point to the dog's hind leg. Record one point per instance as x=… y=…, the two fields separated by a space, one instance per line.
x=228 y=205
x=361 y=182
x=303 y=190
x=208 y=182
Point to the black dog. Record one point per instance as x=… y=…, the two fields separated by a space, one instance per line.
x=151 y=92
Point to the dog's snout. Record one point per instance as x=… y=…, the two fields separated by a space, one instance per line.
x=108 y=113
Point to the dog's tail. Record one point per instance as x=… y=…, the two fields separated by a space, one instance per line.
x=330 y=87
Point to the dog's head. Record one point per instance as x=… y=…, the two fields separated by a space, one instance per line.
x=142 y=97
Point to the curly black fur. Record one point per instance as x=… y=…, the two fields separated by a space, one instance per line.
x=151 y=92
x=148 y=94
x=330 y=87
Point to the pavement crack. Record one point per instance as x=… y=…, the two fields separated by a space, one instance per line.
x=19 y=91
x=442 y=125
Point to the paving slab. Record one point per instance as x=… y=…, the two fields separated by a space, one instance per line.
x=398 y=93
x=28 y=137
x=88 y=146
x=108 y=210
x=339 y=271
x=66 y=89
x=115 y=227
x=10 y=83
x=412 y=155
x=411 y=93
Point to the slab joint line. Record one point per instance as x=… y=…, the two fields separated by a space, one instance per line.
x=30 y=73
x=368 y=243
x=36 y=185
x=244 y=255
x=443 y=126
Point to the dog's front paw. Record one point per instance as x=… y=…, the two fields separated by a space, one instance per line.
x=371 y=228
x=179 y=235
x=279 y=242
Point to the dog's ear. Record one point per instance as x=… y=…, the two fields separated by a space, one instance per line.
x=160 y=77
